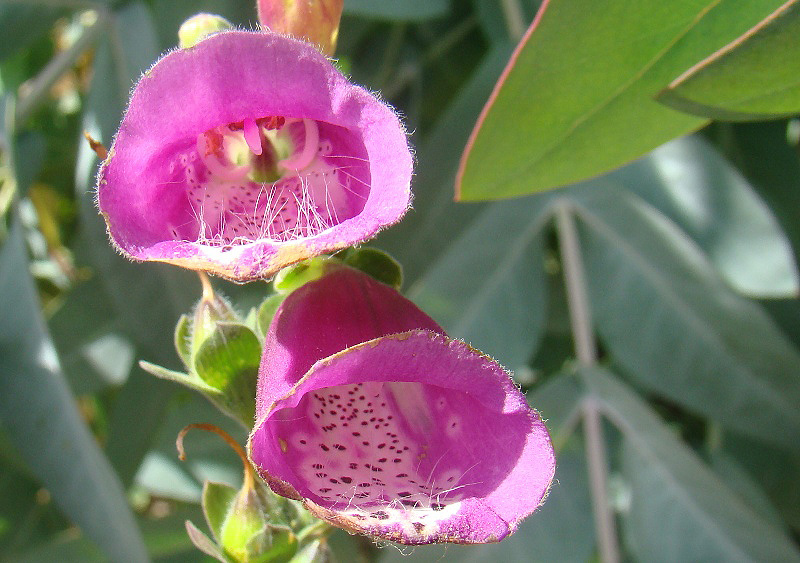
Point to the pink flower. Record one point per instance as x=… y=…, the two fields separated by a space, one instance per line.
x=249 y=152
x=383 y=425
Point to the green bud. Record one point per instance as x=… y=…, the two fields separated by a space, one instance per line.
x=210 y=310
x=200 y=26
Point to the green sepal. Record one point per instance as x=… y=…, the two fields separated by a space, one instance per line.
x=204 y=543
x=228 y=361
x=183 y=340
x=282 y=547
x=189 y=380
x=266 y=311
x=315 y=552
x=374 y=262
x=216 y=500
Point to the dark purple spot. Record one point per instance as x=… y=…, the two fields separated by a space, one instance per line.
x=346 y=480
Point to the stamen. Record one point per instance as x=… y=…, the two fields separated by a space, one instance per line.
x=306 y=156
x=252 y=135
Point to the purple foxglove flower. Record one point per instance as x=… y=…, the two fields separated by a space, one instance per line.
x=249 y=152
x=383 y=425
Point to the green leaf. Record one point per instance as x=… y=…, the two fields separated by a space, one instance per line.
x=567 y=109
x=207 y=457
x=376 y=263
x=695 y=187
x=422 y=236
x=216 y=502
x=22 y=24
x=489 y=288
x=680 y=510
x=409 y=10
x=667 y=318
x=41 y=419
x=755 y=77
x=774 y=469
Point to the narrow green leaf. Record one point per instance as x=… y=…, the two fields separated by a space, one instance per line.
x=568 y=109
x=755 y=77
x=774 y=469
x=667 y=318
x=41 y=419
x=489 y=286
x=680 y=510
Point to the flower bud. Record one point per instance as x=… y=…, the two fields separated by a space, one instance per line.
x=200 y=26
x=315 y=21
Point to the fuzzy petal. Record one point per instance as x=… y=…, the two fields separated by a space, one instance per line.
x=226 y=79
x=393 y=431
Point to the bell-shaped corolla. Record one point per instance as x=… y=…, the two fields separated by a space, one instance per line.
x=248 y=152
x=382 y=425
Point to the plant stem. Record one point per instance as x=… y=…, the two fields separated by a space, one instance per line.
x=575 y=281
x=586 y=352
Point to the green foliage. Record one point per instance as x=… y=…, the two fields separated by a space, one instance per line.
x=578 y=99
x=687 y=260
x=767 y=54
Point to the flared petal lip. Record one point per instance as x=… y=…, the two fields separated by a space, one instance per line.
x=255 y=74
x=499 y=390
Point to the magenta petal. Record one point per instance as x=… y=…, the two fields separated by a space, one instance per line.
x=409 y=435
x=174 y=187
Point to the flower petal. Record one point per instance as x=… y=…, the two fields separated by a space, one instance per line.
x=383 y=425
x=226 y=79
x=412 y=437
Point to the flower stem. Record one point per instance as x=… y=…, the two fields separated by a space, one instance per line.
x=586 y=352
x=249 y=477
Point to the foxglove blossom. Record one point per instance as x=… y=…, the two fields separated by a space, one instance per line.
x=383 y=425
x=248 y=152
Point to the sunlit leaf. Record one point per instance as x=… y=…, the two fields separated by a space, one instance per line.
x=692 y=184
x=756 y=76
x=576 y=99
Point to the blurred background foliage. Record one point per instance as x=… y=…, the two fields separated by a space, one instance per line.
x=687 y=384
